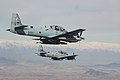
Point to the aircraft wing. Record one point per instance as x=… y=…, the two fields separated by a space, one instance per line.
x=71 y=57
x=19 y=27
x=75 y=32
x=63 y=37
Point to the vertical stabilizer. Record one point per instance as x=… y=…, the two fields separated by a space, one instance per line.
x=41 y=52
x=15 y=22
x=40 y=49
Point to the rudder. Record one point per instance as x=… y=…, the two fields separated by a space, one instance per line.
x=16 y=22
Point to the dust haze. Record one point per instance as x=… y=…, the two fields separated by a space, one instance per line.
x=18 y=61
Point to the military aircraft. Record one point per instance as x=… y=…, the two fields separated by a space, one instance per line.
x=59 y=55
x=52 y=34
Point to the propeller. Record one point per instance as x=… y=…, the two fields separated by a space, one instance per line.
x=79 y=34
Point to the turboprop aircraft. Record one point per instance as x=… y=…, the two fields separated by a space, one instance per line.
x=52 y=34
x=59 y=55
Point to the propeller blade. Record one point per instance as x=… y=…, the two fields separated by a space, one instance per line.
x=80 y=33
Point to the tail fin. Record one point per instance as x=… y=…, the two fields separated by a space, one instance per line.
x=41 y=52
x=40 y=49
x=15 y=22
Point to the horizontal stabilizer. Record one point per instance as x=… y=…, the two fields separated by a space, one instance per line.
x=7 y=29
x=21 y=27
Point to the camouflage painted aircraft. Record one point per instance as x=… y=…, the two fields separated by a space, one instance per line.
x=52 y=34
x=59 y=55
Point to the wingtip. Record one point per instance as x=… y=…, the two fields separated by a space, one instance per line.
x=82 y=29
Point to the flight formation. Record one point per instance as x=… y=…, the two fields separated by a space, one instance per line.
x=52 y=34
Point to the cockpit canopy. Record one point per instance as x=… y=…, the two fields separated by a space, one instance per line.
x=58 y=28
x=61 y=52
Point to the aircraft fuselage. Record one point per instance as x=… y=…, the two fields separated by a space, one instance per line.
x=40 y=31
x=52 y=34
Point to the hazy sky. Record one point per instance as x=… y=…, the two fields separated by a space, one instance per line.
x=100 y=18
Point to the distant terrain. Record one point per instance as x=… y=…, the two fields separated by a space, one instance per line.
x=96 y=61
